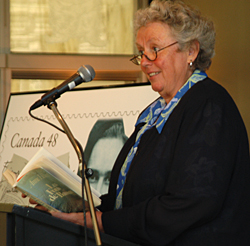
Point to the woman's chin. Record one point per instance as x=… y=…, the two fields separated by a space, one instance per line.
x=156 y=87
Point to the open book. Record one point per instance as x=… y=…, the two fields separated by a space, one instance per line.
x=50 y=183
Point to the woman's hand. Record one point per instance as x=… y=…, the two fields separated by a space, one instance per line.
x=37 y=206
x=78 y=219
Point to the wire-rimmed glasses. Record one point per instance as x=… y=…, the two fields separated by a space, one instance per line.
x=151 y=56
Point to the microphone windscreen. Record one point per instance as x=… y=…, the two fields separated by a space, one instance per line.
x=87 y=72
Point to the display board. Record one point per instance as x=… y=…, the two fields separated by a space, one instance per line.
x=22 y=136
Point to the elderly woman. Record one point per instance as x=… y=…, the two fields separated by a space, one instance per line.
x=183 y=177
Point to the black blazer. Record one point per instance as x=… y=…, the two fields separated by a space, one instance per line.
x=189 y=185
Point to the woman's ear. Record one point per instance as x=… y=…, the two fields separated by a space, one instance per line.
x=194 y=50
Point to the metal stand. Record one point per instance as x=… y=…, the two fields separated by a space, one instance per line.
x=53 y=107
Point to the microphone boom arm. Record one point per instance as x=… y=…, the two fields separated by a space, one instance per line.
x=53 y=107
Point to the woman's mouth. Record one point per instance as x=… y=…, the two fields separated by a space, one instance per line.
x=153 y=74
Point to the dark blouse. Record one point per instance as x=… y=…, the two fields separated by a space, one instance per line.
x=189 y=185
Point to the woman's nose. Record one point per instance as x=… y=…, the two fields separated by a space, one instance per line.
x=145 y=61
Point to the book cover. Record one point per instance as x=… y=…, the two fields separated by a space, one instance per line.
x=50 y=183
x=49 y=191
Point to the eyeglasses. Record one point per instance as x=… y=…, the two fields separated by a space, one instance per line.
x=151 y=56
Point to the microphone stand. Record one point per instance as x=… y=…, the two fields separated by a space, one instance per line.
x=52 y=105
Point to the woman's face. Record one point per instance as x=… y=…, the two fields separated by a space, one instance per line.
x=169 y=72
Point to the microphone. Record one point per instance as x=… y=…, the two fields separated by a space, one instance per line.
x=84 y=74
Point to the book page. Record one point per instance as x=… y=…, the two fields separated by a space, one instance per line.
x=42 y=152
x=8 y=194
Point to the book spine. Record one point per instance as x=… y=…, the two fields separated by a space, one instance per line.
x=40 y=202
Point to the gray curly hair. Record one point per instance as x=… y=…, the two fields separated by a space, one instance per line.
x=187 y=25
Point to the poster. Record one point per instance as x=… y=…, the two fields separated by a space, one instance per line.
x=83 y=110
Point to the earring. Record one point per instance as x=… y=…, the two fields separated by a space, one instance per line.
x=191 y=64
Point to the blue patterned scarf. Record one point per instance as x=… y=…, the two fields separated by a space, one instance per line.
x=155 y=115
